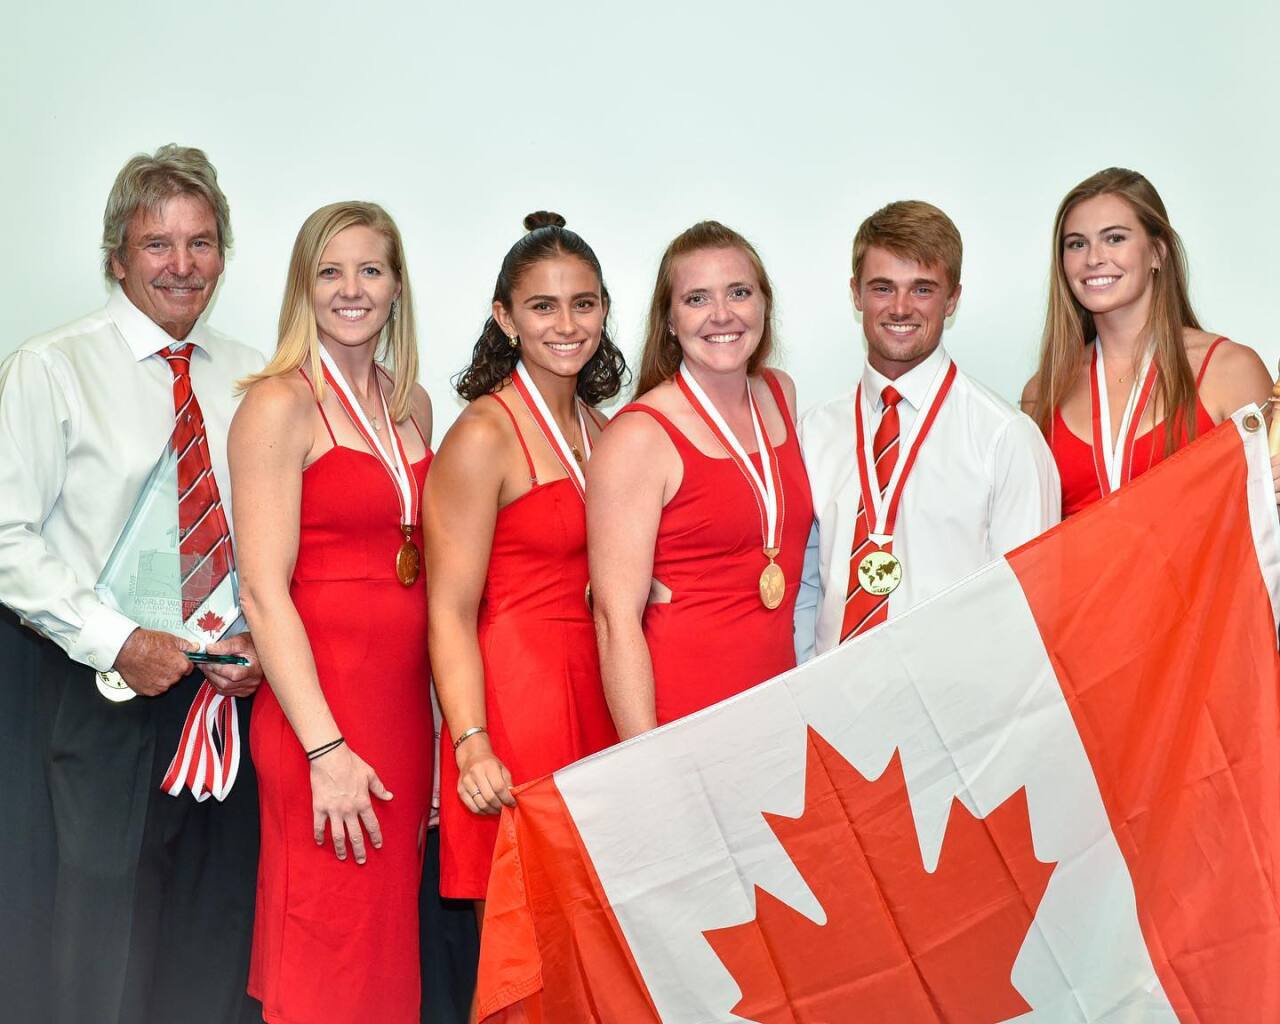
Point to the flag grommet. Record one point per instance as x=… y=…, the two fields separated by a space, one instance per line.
x=1252 y=422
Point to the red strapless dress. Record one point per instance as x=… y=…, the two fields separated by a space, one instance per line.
x=715 y=638
x=335 y=941
x=1074 y=455
x=544 y=702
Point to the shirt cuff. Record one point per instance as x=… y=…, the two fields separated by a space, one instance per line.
x=103 y=634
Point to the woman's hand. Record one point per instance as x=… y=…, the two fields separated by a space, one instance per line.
x=342 y=786
x=484 y=784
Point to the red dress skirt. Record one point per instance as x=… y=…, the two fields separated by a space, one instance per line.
x=715 y=638
x=336 y=942
x=544 y=702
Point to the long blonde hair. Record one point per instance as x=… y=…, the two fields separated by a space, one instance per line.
x=298 y=344
x=1068 y=326
x=660 y=358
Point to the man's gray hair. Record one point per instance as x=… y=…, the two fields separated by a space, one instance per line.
x=147 y=182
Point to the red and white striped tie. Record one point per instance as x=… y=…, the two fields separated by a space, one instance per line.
x=861 y=609
x=206 y=558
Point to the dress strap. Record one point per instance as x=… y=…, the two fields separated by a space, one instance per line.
x=533 y=476
x=593 y=415
x=1207 y=356
x=319 y=407
x=780 y=398
x=412 y=418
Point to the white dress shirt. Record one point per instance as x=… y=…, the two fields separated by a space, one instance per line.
x=85 y=411
x=984 y=482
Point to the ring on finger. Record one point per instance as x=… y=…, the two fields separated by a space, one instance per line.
x=476 y=795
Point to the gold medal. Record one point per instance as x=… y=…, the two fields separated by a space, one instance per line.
x=880 y=573
x=408 y=561
x=773 y=581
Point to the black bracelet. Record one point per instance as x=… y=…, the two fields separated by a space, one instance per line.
x=324 y=748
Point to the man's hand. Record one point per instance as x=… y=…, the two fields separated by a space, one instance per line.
x=151 y=661
x=234 y=680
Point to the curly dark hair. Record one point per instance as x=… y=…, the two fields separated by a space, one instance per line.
x=493 y=360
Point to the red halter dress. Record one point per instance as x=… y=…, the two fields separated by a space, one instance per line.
x=544 y=702
x=1074 y=455
x=333 y=940
x=715 y=638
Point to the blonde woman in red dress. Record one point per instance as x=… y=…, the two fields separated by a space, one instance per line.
x=512 y=644
x=698 y=505
x=1127 y=375
x=328 y=452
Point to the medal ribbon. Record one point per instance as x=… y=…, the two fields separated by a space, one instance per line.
x=1114 y=464
x=541 y=413
x=197 y=764
x=766 y=491
x=397 y=463
x=885 y=506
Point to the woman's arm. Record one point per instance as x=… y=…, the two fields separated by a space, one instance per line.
x=459 y=511
x=633 y=472
x=269 y=441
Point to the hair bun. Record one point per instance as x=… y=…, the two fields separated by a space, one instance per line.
x=543 y=219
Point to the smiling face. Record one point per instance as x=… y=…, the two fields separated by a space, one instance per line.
x=1107 y=256
x=354 y=287
x=558 y=313
x=717 y=309
x=904 y=305
x=171 y=263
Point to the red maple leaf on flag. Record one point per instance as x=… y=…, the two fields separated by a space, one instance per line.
x=899 y=943
x=210 y=622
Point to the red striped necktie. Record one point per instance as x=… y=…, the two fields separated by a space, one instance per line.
x=206 y=558
x=861 y=609
x=205 y=541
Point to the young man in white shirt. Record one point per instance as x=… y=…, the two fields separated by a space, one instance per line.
x=153 y=894
x=955 y=475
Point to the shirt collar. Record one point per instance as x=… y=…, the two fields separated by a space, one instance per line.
x=913 y=385
x=143 y=335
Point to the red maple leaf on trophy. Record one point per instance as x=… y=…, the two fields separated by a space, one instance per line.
x=899 y=943
x=210 y=622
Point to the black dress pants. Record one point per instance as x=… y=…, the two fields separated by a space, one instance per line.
x=152 y=914
x=450 y=945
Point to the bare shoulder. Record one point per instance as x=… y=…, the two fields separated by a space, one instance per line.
x=479 y=428
x=1235 y=376
x=273 y=422
x=631 y=438
x=420 y=407
x=1030 y=392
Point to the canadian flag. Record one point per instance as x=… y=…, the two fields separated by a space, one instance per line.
x=1051 y=793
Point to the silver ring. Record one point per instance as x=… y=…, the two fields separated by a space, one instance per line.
x=476 y=793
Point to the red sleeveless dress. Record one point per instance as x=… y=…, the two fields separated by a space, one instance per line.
x=334 y=941
x=715 y=638
x=1074 y=455
x=544 y=702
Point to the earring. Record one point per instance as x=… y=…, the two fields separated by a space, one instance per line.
x=671 y=330
x=395 y=310
x=514 y=341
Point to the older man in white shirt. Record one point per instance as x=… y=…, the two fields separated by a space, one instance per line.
x=955 y=476
x=154 y=894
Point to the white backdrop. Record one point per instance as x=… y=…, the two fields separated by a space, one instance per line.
x=788 y=121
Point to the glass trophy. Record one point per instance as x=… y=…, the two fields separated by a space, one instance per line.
x=144 y=574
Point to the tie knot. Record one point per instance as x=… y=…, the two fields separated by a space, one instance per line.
x=890 y=397
x=179 y=359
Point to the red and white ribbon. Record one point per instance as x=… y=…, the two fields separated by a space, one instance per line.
x=523 y=382
x=1113 y=463
x=882 y=509
x=395 y=462
x=766 y=487
x=198 y=763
